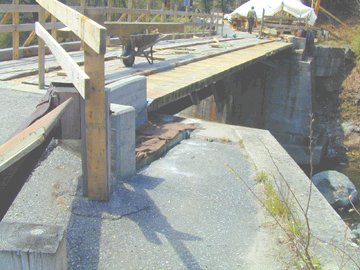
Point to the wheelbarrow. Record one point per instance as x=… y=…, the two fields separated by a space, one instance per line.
x=137 y=38
x=138 y=45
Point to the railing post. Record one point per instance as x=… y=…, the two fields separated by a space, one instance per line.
x=175 y=10
x=162 y=15
x=41 y=52
x=148 y=7
x=262 y=23
x=130 y=6
x=109 y=7
x=16 y=34
x=83 y=6
x=96 y=156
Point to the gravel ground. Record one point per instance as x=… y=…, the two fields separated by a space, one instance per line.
x=15 y=106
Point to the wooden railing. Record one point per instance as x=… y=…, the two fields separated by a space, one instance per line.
x=12 y=13
x=90 y=83
x=285 y=23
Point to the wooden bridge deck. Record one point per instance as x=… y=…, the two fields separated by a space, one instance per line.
x=187 y=66
x=168 y=86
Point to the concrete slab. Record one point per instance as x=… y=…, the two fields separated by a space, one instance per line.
x=174 y=214
x=184 y=211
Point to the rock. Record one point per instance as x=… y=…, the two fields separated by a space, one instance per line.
x=336 y=188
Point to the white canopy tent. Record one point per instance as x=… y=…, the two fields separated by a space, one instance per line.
x=293 y=7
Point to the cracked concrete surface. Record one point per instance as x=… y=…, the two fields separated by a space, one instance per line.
x=184 y=211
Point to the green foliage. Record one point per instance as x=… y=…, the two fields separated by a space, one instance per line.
x=5 y=40
x=273 y=202
x=356 y=41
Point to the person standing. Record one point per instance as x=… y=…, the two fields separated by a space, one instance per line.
x=251 y=17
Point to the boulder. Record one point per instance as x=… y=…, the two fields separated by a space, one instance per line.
x=336 y=188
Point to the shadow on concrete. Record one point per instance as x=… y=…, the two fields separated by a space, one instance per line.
x=129 y=200
x=154 y=222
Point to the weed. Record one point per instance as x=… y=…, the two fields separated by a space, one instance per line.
x=261 y=177
x=273 y=202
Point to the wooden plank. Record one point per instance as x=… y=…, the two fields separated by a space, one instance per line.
x=128 y=28
x=15 y=33
x=96 y=154
x=92 y=33
x=27 y=140
x=25 y=27
x=77 y=76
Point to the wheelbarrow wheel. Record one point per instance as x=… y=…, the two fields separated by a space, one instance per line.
x=128 y=56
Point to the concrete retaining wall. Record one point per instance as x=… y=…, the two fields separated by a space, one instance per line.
x=122 y=149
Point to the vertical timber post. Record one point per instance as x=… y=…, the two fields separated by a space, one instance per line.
x=262 y=22
x=162 y=14
x=41 y=52
x=53 y=28
x=16 y=34
x=130 y=7
x=96 y=136
x=109 y=16
x=148 y=8
x=109 y=8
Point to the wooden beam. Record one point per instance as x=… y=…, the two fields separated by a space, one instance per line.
x=128 y=28
x=27 y=140
x=77 y=76
x=22 y=8
x=140 y=17
x=15 y=33
x=6 y=18
x=96 y=155
x=25 y=27
x=122 y=17
x=92 y=33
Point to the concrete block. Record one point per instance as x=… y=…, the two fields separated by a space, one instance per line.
x=122 y=149
x=131 y=92
x=32 y=247
x=298 y=42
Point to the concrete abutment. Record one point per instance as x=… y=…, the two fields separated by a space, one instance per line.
x=277 y=95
